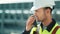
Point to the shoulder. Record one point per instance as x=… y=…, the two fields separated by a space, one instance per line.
x=58 y=31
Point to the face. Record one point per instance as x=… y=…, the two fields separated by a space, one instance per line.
x=40 y=14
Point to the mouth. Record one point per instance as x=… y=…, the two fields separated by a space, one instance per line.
x=36 y=17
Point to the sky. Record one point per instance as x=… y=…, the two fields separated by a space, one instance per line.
x=16 y=1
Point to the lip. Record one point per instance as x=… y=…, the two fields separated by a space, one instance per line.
x=36 y=17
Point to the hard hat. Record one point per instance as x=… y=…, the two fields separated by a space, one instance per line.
x=42 y=3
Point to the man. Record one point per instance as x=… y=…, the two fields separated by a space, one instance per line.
x=43 y=10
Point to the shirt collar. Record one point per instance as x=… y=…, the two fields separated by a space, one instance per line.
x=50 y=26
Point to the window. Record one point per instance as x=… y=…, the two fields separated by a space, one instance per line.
x=1 y=12
x=19 y=5
x=6 y=16
x=13 y=6
x=25 y=16
x=7 y=11
x=18 y=11
x=26 y=11
x=58 y=12
x=11 y=16
x=0 y=15
x=18 y=16
x=13 y=11
x=26 y=5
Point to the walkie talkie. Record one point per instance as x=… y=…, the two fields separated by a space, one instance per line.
x=35 y=23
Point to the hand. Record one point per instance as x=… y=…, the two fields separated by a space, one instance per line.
x=29 y=23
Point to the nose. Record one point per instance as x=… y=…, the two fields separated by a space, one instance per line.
x=35 y=14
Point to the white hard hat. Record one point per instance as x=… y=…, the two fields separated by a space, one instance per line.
x=42 y=3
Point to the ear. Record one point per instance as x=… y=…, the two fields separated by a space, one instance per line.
x=47 y=11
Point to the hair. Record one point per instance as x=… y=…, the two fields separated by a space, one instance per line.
x=49 y=8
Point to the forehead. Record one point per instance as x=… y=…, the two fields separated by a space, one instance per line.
x=40 y=9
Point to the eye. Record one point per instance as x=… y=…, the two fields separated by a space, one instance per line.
x=36 y=11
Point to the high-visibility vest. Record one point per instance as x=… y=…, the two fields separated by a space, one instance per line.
x=45 y=31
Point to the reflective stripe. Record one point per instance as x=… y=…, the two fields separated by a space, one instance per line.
x=58 y=31
x=53 y=27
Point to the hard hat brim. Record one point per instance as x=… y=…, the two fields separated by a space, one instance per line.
x=36 y=8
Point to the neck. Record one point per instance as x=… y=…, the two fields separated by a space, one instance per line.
x=47 y=21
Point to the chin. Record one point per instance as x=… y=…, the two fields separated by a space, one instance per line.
x=40 y=20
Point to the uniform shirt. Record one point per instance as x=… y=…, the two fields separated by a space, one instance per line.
x=48 y=28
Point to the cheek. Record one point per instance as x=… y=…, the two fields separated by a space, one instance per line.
x=41 y=15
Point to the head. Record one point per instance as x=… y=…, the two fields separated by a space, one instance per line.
x=43 y=13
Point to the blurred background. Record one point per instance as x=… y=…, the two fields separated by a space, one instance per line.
x=14 y=13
